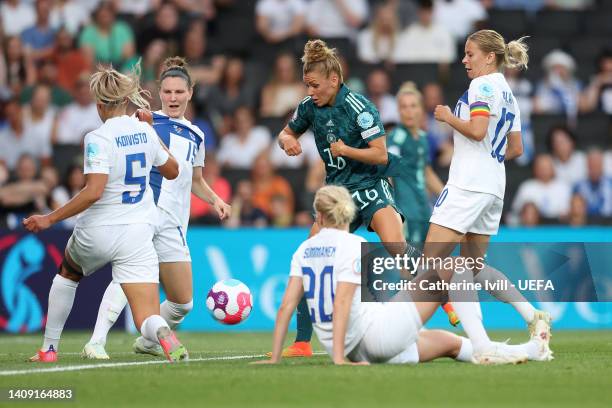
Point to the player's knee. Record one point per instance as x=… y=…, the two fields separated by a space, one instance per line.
x=68 y=271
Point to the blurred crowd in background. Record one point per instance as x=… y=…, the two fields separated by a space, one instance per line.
x=244 y=58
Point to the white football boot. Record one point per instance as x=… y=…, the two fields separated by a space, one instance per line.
x=141 y=347
x=94 y=351
x=541 y=336
x=496 y=355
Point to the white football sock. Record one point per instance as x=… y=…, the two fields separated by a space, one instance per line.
x=61 y=298
x=113 y=302
x=150 y=326
x=174 y=313
x=466 y=351
x=467 y=307
x=510 y=295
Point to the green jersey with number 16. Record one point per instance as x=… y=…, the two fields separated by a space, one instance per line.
x=353 y=119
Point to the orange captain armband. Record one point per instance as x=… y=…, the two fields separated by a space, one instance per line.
x=480 y=109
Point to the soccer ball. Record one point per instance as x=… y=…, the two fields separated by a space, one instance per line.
x=229 y=301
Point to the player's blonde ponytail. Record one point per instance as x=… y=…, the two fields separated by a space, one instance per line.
x=335 y=205
x=511 y=55
x=318 y=56
x=516 y=54
x=111 y=87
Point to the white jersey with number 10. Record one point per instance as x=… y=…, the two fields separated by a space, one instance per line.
x=479 y=165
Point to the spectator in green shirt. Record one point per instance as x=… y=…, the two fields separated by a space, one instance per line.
x=107 y=40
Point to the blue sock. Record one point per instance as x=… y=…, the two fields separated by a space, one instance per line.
x=304 y=325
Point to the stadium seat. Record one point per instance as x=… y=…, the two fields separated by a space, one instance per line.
x=233 y=176
x=594 y=130
x=515 y=175
x=540 y=45
x=361 y=70
x=65 y=156
x=599 y=22
x=541 y=124
x=560 y=23
x=586 y=49
x=511 y=24
x=274 y=125
x=458 y=78
x=418 y=73
x=232 y=40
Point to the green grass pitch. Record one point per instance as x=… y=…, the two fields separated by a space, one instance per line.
x=579 y=376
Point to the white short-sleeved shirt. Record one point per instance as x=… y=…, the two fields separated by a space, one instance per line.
x=552 y=199
x=280 y=13
x=241 y=154
x=186 y=143
x=75 y=121
x=125 y=149
x=326 y=16
x=322 y=261
x=12 y=145
x=479 y=165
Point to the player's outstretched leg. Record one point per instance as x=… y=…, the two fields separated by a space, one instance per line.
x=113 y=302
x=61 y=299
x=513 y=296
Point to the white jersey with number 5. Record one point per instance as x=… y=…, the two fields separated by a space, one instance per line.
x=479 y=166
x=125 y=149
x=322 y=261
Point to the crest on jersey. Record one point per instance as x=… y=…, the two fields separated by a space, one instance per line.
x=331 y=138
x=486 y=90
x=178 y=129
x=365 y=120
x=92 y=150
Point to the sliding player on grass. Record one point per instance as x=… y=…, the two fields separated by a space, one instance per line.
x=486 y=124
x=186 y=142
x=326 y=269
x=350 y=139
x=116 y=216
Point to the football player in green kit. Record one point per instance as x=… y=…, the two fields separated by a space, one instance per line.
x=350 y=139
x=417 y=177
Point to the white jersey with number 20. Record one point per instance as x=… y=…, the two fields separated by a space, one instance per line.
x=322 y=261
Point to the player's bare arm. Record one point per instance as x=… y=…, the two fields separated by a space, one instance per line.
x=432 y=181
x=293 y=294
x=202 y=190
x=475 y=128
x=170 y=169
x=515 y=145
x=288 y=141
x=375 y=153
x=93 y=190
x=342 y=308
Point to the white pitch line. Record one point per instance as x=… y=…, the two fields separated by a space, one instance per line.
x=126 y=364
